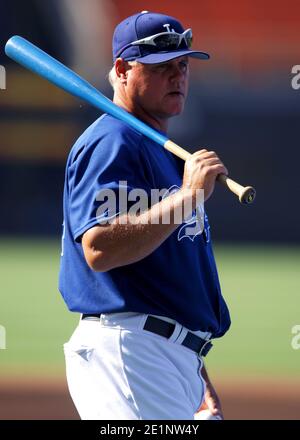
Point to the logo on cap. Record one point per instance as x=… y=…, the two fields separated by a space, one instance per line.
x=168 y=28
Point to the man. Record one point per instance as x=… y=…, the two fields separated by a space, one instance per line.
x=147 y=290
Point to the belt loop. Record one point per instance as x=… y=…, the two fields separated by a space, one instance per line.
x=182 y=335
x=175 y=333
x=102 y=320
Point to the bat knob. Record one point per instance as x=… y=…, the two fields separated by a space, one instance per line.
x=247 y=196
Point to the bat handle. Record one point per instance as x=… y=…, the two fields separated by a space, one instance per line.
x=246 y=194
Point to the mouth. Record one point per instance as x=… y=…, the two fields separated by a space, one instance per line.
x=176 y=93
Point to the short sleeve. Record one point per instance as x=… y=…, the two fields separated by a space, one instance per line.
x=100 y=178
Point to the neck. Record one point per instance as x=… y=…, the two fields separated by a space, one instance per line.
x=156 y=122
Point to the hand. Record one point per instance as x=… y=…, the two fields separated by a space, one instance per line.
x=201 y=171
x=211 y=401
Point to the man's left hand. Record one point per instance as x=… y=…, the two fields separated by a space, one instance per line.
x=211 y=401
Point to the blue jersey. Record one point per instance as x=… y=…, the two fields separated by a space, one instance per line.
x=179 y=279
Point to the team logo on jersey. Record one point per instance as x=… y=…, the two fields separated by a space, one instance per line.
x=195 y=225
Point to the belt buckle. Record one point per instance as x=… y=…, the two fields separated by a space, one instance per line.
x=205 y=348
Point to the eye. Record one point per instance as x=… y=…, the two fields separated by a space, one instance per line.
x=158 y=67
x=184 y=65
x=162 y=66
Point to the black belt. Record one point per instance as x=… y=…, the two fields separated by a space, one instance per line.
x=166 y=329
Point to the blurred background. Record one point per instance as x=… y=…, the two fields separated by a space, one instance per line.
x=241 y=104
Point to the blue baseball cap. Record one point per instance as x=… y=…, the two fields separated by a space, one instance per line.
x=146 y=24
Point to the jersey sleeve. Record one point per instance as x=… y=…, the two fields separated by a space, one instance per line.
x=102 y=175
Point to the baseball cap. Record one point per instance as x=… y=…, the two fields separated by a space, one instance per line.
x=146 y=24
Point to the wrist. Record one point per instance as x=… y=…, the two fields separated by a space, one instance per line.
x=192 y=196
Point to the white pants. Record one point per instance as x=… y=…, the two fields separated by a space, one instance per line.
x=116 y=370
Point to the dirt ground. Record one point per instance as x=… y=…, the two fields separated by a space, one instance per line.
x=49 y=399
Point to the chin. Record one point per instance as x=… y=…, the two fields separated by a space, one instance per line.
x=174 y=108
x=176 y=112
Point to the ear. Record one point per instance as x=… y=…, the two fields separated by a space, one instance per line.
x=121 y=68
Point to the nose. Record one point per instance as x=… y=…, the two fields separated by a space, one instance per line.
x=178 y=72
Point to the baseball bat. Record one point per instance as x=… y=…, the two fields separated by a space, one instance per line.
x=38 y=61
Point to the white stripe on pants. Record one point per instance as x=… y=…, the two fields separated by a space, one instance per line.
x=118 y=371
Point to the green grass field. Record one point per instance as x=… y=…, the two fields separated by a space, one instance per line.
x=260 y=284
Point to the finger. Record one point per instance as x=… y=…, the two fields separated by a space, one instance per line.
x=217 y=169
x=212 y=161
x=204 y=154
x=198 y=153
x=213 y=407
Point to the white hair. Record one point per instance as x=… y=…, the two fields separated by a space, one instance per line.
x=112 y=76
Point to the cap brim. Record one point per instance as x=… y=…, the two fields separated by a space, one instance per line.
x=155 y=58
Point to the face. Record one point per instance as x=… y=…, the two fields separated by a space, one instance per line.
x=161 y=89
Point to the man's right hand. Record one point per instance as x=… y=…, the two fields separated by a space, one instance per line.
x=201 y=171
